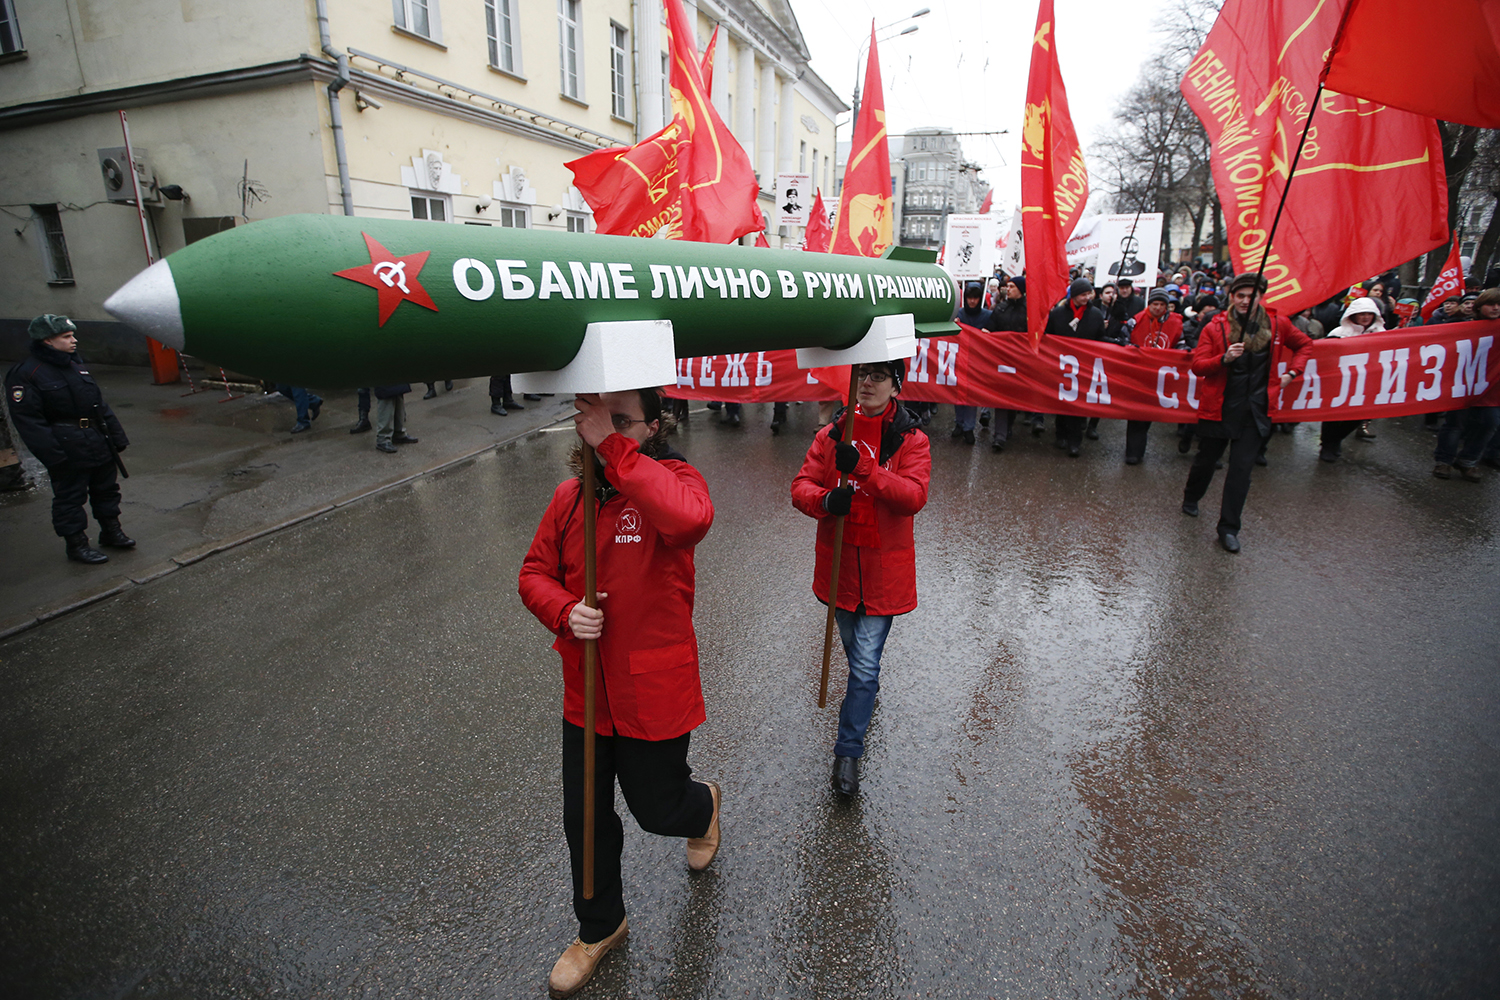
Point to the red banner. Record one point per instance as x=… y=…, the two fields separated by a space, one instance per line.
x=1252 y=85
x=1054 y=180
x=1450 y=282
x=1400 y=372
x=863 y=227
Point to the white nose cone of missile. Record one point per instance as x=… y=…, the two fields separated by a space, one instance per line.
x=149 y=303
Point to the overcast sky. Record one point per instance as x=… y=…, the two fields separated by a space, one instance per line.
x=966 y=70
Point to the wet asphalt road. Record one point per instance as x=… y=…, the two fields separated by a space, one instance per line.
x=1109 y=759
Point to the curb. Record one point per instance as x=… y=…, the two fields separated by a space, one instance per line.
x=201 y=552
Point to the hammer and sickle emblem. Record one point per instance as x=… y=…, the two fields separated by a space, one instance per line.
x=393 y=273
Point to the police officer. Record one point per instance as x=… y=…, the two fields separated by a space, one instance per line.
x=59 y=412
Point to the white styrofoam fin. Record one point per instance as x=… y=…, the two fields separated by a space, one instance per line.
x=888 y=338
x=149 y=303
x=634 y=354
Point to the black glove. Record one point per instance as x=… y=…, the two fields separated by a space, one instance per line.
x=845 y=457
x=838 y=500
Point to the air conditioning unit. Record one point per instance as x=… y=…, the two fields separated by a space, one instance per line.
x=117 y=185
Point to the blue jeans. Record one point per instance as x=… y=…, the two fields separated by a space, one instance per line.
x=303 y=399
x=1471 y=427
x=963 y=417
x=864 y=640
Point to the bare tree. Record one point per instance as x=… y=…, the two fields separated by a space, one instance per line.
x=1155 y=156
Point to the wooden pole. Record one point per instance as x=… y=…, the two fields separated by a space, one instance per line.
x=838 y=545
x=590 y=663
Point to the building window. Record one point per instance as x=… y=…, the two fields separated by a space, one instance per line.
x=577 y=223
x=514 y=216
x=569 y=44
x=802 y=162
x=500 y=26
x=617 y=51
x=10 y=31
x=420 y=17
x=54 y=246
x=431 y=207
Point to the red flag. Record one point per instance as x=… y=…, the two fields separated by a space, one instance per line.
x=1450 y=282
x=863 y=226
x=1441 y=59
x=1054 y=180
x=1370 y=190
x=761 y=241
x=989 y=196
x=692 y=178
x=707 y=66
x=817 y=234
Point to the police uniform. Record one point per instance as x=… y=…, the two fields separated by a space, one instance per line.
x=58 y=410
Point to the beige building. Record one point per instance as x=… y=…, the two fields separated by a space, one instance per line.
x=454 y=111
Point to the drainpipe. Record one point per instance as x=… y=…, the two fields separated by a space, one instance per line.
x=335 y=111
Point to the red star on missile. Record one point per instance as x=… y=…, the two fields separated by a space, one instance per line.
x=395 y=278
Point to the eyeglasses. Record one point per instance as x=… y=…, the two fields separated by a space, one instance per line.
x=624 y=423
x=875 y=375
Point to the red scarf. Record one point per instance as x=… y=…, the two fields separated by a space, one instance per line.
x=860 y=526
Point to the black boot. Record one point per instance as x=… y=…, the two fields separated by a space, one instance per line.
x=362 y=426
x=778 y=417
x=79 y=550
x=511 y=404
x=846 y=775
x=112 y=535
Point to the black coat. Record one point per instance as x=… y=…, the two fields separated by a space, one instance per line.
x=51 y=394
x=1090 y=324
x=392 y=391
x=1009 y=316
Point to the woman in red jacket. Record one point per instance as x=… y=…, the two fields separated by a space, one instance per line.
x=1233 y=363
x=652 y=508
x=889 y=460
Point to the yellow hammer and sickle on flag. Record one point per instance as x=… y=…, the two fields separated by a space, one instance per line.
x=1041 y=37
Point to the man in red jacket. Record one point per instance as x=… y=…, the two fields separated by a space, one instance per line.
x=889 y=460
x=1158 y=327
x=1233 y=362
x=653 y=508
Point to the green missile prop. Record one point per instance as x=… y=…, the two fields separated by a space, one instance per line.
x=337 y=301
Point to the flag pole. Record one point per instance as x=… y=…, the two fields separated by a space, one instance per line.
x=590 y=663
x=838 y=548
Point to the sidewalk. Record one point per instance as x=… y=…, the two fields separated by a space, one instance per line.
x=208 y=474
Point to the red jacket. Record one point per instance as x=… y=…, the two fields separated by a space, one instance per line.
x=1152 y=332
x=884 y=580
x=1208 y=361
x=648 y=653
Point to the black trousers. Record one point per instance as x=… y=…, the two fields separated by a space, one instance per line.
x=1070 y=430
x=71 y=487
x=1333 y=434
x=1242 y=452
x=1004 y=423
x=1136 y=432
x=654 y=776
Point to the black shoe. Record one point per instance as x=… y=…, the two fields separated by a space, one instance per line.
x=316 y=406
x=968 y=437
x=1328 y=456
x=1190 y=508
x=1037 y=428
x=778 y=417
x=361 y=427
x=403 y=439
x=956 y=433
x=1230 y=542
x=997 y=446
x=984 y=418
x=1184 y=445
x=716 y=405
x=431 y=392
x=386 y=447
x=532 y=396
x=448 y=384
x=846 y=775
x=299 y=427
x=511 y=404
x=112 y=535
x=1091 y=434
x=498 y=409
x=79 y=550
x=732 y=419
x=1074 y=451
x=1132 y=460
x=1260 y=460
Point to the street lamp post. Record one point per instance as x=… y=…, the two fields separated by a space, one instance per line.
x=859 y=57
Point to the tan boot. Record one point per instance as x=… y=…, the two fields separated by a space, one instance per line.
x=701 y=850
x=578 y=961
